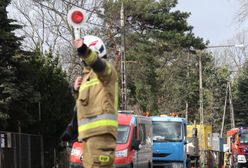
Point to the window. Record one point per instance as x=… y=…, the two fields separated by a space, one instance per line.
x=244 y=138
x=134 y=135
x=142 y=134
x=167 y=131
x=122 y=136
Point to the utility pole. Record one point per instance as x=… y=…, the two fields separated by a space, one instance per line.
x=201 y=139
x=224 y=112
x=231 y=106
x=200 y=90
x=228 y=95
x=123 y=61
x=187 y=103
x=202 y=152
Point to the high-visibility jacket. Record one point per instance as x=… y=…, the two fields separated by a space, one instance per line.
x=97 y=101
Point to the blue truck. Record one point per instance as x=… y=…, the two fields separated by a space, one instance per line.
x=169 y=142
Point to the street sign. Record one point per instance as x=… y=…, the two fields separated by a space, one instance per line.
x=76 y=17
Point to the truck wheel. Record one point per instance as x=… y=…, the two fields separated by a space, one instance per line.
x=236 y=165
x=239 y=165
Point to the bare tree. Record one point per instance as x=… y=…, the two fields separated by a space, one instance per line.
x=243 y=12
x=233 y=56
x=233 y=53
x=46 y=27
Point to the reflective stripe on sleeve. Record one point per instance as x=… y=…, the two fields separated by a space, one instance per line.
x=91 y=58
x=109 y=70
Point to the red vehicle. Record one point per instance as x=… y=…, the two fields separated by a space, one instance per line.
x=238 y=147
x=134 y=143
x=76 y=156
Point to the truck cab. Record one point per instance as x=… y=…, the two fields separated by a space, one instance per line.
x=134 y=142
x=169 y=142
x=237 y=139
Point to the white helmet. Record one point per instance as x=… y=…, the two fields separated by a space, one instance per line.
x=96 y=44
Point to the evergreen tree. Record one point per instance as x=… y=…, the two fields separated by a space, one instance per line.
x=34 y=93
x=53 y=109
x=154 y=36
x=214 y=83
x=9 y=46
x=28 y=79
x=16 y=77
x=241 y=98
x=164 y=73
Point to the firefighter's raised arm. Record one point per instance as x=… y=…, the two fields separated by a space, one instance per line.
x=87 y=48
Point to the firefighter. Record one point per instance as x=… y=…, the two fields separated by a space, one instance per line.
x=96 y=103
x=227 y=155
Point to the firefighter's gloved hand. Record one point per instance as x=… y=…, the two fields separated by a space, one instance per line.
x=82 y=49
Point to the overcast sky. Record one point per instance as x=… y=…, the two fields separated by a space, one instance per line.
x=214 y=20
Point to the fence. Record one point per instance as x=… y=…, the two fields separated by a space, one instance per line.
x=21 y=150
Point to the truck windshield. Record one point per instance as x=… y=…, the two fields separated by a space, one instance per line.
x=164 y=131
x=244 y=138
x=123 y=132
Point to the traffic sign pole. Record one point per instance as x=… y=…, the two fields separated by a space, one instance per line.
x=77 y=33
